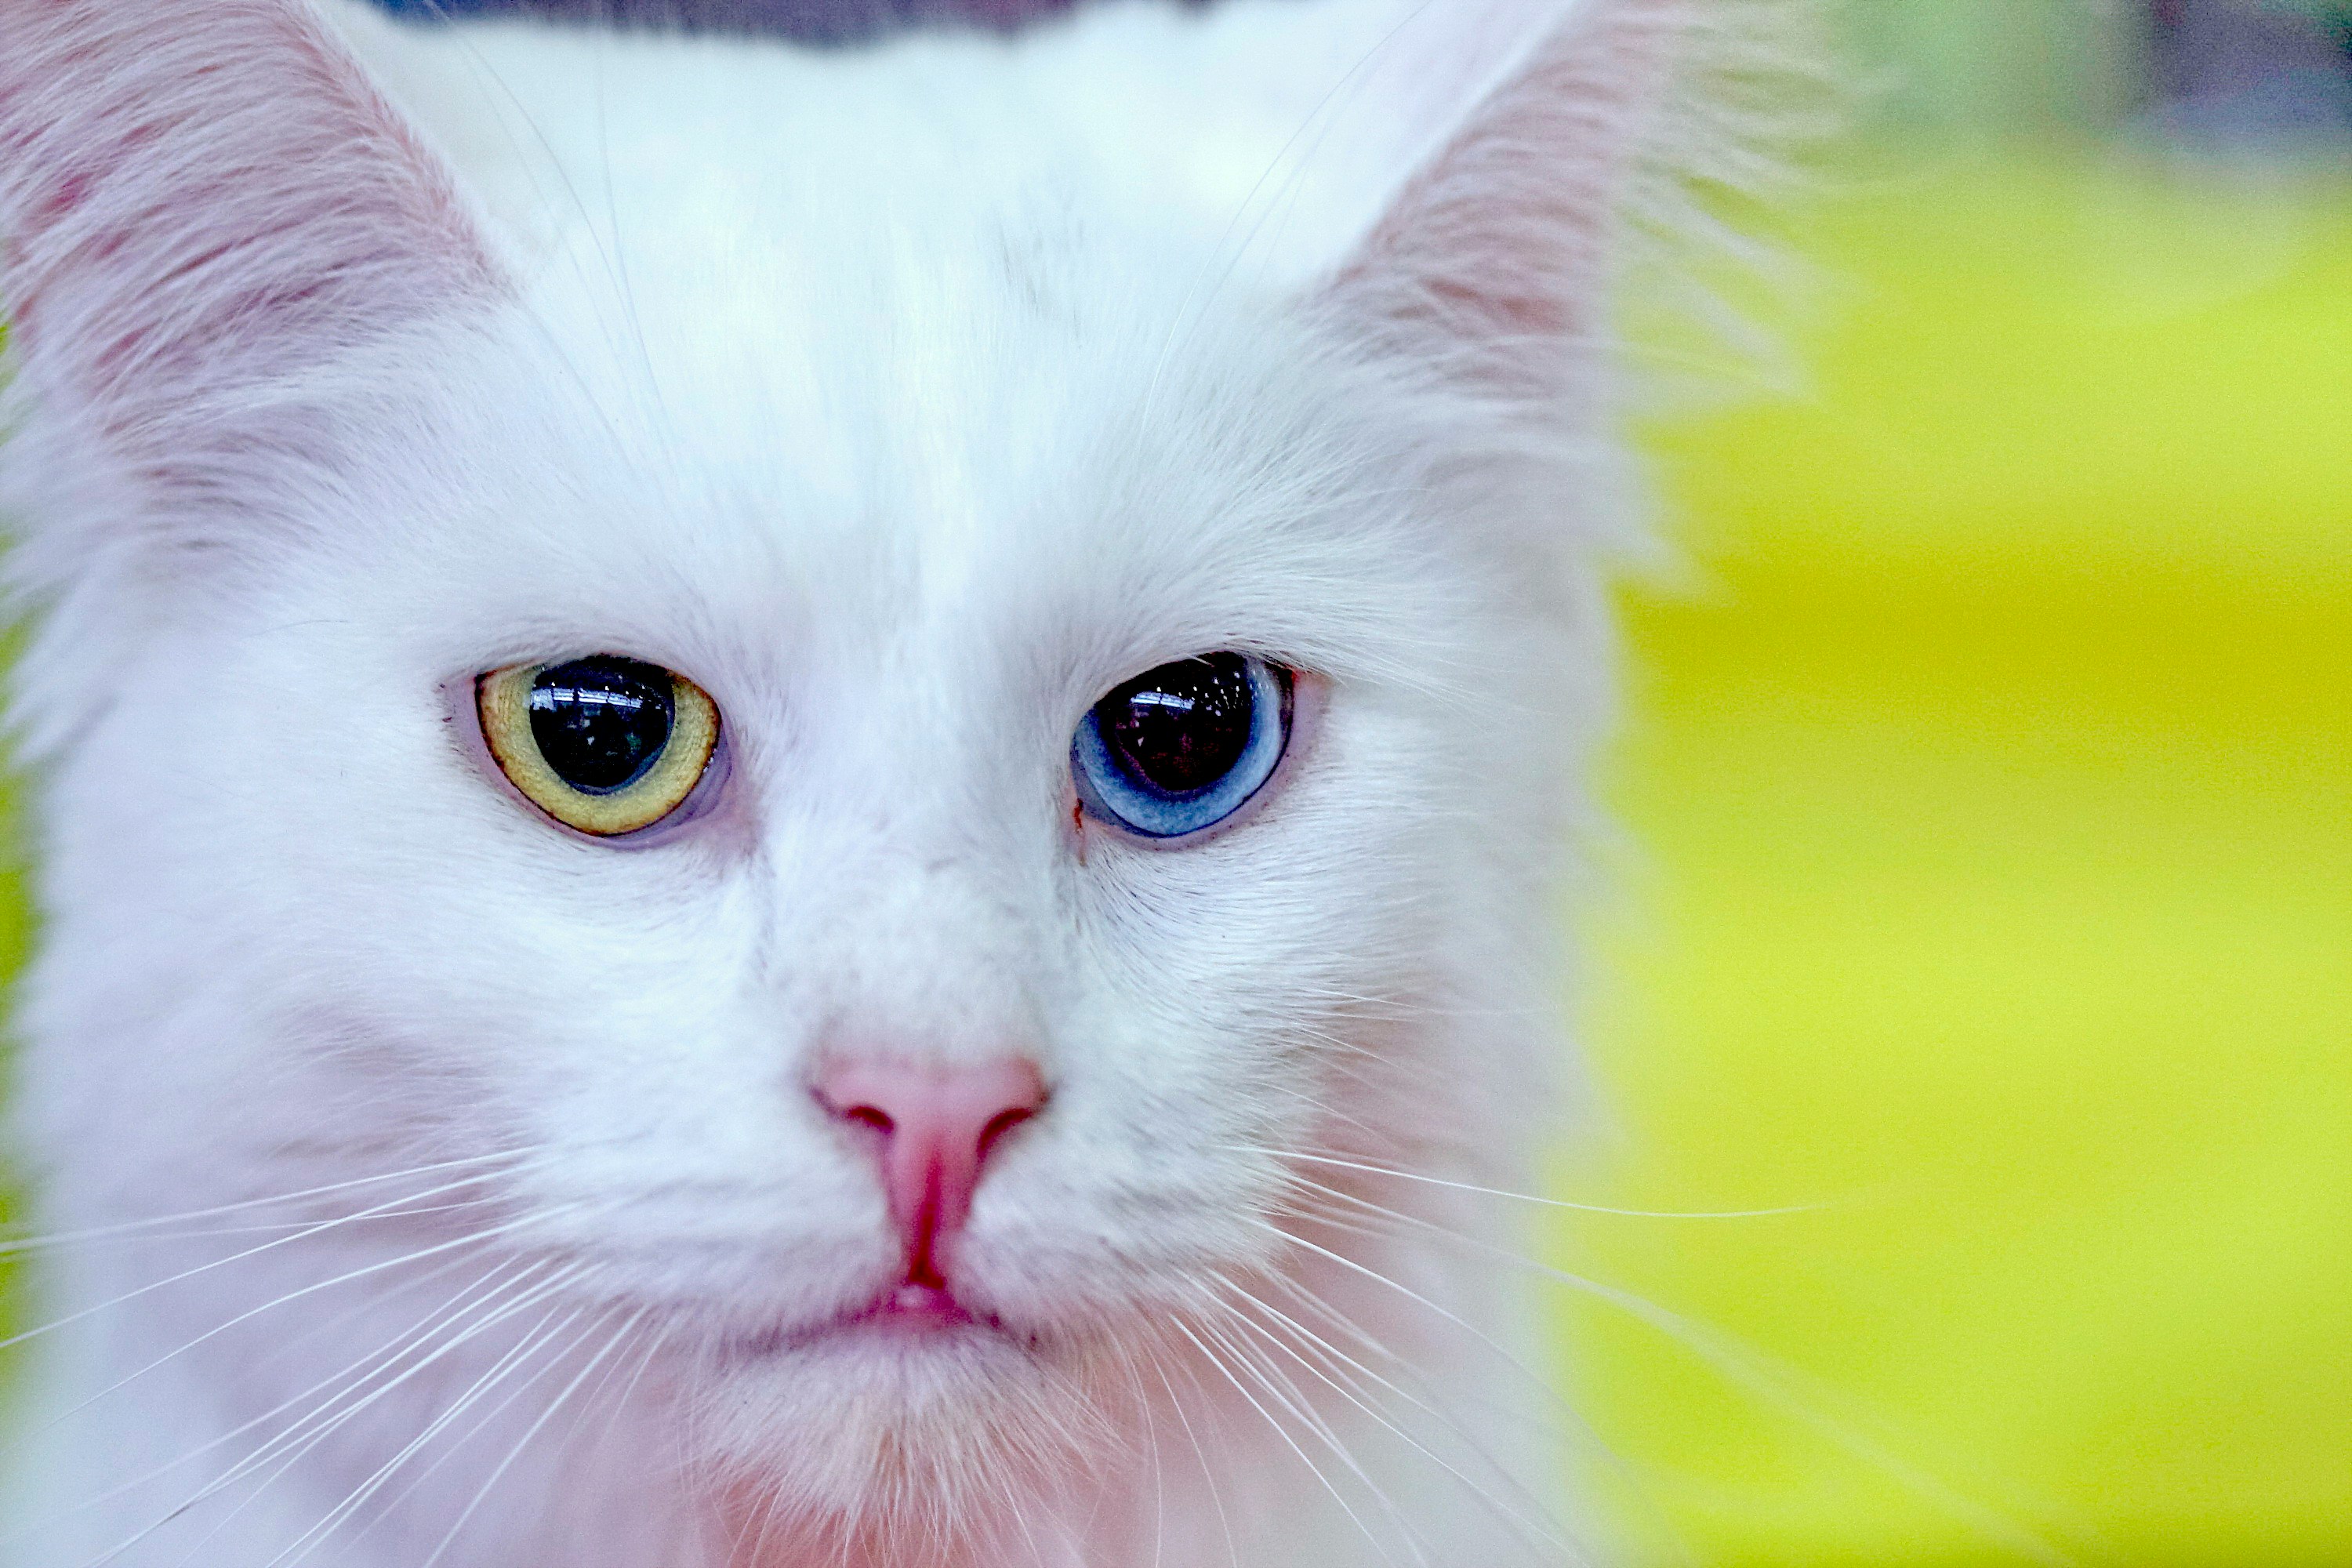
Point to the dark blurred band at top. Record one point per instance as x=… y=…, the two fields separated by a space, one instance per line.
x=2236 y=71
x=825 y=21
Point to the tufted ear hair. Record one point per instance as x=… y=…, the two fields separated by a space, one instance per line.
x=199 y=202
x=1493 y=263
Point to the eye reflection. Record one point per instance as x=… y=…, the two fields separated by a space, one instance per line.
x=600 y=722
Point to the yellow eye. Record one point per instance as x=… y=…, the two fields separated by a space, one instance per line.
x=603 y=744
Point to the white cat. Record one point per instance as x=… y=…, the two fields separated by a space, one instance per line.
x=822 y=826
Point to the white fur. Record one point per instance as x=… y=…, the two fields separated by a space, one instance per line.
x=907 y=401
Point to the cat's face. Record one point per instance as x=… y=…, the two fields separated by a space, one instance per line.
x=904 y=509
x=889 y=855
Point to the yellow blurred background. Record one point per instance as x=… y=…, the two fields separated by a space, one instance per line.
x=1989 y=775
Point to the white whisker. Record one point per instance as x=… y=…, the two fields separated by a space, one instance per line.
x=1283 y=1433
x=203 y=1268
x=324 y=1420
x=536 y=1427
x=469 y=1240
x=1524 y=1197
x=139 y=1226
x=540 y=1335
x=1281 y=1387
x=455 y=1305
x=1782 y=1387
x=1526 y=1525
x=1208 y=1470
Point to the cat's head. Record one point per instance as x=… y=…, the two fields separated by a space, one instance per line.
x=865 y=765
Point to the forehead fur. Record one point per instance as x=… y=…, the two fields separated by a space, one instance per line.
x=922 y=329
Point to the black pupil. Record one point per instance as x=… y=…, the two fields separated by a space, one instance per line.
x=600 y=722
x=1181 y=727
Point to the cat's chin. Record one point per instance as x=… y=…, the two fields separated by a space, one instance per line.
x=912 y=1319
x=916 y=1396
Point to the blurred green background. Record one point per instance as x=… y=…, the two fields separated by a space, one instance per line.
x=1989 y=771
x=1988 y=766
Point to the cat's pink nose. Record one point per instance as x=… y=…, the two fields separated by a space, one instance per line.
x=933 y=1128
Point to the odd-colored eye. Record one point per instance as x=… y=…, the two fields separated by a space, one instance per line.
x=1184 y=746
x=603 y=744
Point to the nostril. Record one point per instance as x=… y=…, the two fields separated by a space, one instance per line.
x=851 y=1108
x=1003 y=1122
x=872 y=1116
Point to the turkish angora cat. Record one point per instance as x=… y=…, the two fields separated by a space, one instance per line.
x=821 y=826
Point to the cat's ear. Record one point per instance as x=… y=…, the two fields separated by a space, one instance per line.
x=1494 y=261
x=199 y=200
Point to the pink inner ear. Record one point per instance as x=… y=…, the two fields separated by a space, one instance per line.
x=194 y=195
x=1501 y=245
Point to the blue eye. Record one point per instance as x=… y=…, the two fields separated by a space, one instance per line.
x=1184 y=746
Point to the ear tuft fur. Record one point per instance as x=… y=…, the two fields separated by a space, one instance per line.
x=198 y=199
x=1495 y=263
